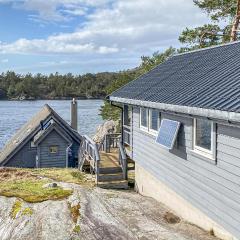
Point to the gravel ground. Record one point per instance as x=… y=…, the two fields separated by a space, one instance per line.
x=104 y=214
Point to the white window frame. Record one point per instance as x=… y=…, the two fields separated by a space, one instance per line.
x=144 y=128
x=153 y=131
x=202 y=151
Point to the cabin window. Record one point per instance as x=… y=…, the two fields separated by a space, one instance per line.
x=149 y=120
x=203 y=136
x=144 y=118
x=154 y=120
x=127 y=115
x=53 y=149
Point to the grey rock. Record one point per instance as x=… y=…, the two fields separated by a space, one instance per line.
x=104 y=214
x=103 y=129
x=50 y=185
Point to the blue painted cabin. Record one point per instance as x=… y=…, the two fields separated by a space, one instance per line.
x=45 y=141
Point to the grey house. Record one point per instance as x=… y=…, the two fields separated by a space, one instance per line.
x=45 y=141
x=199 y=176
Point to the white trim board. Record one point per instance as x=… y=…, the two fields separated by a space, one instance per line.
x=195 y=111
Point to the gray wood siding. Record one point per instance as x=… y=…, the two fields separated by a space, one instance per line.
x=53 y=160
x=25 y=158
x=213 y=188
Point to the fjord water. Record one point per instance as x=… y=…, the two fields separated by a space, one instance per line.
x=13 y=114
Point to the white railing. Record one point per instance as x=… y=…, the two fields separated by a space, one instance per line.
x=123 y=161
x=89 y=152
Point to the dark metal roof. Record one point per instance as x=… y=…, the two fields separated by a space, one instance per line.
x=207 y=78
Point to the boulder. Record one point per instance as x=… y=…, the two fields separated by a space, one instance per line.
x=171 y=218
x=103 y=129
x=50 y=185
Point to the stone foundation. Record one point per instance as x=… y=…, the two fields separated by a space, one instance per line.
x=147 y=185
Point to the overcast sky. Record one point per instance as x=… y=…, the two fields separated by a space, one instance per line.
x=82 y=36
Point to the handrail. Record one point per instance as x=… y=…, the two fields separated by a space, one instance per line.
x=91 y=152
x=123 y=161
x=111 y=140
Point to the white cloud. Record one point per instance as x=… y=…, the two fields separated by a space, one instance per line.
x=125 y=27
x=4 y=60
x=55 y=10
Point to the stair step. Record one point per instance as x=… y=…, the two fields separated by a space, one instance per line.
x=110 y=177
x=109 y=170
x=114 y=185
x=131 y=168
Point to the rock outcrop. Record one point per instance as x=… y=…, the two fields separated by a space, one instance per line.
x=103 y=129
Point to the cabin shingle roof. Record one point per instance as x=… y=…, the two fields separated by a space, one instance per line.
x=207 y=78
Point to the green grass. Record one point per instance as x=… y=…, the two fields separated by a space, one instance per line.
x=77 y=229
x=32 y=190
x=63 y=175
x=27 y=184
x=16 y=208
x=27 y=211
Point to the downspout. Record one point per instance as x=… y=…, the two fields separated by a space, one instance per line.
x=112 y=104
x=67 y=154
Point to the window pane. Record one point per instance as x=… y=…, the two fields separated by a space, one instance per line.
x=144 y=117
x=154 y=120
x=53 y=149
x=129 y=116
x=203 y=133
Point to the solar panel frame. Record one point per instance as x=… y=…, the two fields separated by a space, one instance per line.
x=173 y=137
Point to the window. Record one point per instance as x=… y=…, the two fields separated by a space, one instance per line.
x=149 y=120
x=53 y=149
x=144 y=118
x=127 y=115
x=154 y=120
x=203 y=136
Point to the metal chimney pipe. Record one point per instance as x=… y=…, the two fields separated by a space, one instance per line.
x=74 y=116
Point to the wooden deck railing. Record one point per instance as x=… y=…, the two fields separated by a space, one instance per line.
x=111 y=140
x=89 y=151
x=123 y=161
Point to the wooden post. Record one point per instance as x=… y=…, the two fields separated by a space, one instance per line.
x=74 y=115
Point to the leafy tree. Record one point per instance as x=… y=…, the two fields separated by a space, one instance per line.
x=222 y=13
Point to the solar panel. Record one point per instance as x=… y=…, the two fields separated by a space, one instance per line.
x=167 y=133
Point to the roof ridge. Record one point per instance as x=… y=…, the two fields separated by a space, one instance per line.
x=48 y=107
x=207 y=48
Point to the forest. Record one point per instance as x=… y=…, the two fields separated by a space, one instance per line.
x=54 y=86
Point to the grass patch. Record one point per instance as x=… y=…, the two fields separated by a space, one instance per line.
x=77 y=229
x=22 y=183
x=27 y=211
x=63 y=175
x=32 y=191
x=75 y=213
x=16 y=208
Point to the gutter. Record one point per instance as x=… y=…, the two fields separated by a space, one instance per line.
x=230 y=117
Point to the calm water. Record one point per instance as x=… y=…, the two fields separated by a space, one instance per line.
x=13 y=114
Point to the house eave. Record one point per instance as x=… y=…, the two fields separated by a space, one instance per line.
x=194 y=111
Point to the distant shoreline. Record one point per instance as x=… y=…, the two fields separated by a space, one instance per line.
x=49 y=99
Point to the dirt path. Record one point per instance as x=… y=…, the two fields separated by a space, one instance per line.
x=104 y=214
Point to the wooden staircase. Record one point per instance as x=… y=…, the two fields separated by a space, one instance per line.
x=107 y=161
